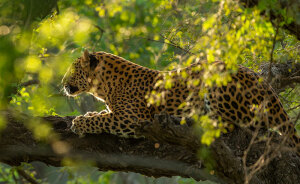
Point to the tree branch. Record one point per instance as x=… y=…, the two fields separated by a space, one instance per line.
x=30 y=82
x=169 y=149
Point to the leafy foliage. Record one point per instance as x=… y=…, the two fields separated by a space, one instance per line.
x=39 y=41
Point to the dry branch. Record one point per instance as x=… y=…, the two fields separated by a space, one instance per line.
x=170 y=149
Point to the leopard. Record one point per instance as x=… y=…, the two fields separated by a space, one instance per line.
x=125 y=88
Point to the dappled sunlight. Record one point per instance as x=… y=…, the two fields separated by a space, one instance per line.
x=60 y=29
x=39 y=40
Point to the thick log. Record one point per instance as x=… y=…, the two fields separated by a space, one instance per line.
x=169 y=149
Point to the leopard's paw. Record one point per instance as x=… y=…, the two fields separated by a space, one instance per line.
x=91 y=113
x=103 y=112
x=77 y=125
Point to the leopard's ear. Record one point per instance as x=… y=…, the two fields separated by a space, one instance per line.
x=85 y=61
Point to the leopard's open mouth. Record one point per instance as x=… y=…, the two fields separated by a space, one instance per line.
x=71 y=90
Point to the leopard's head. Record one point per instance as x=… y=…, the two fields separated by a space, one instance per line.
x=78 y=77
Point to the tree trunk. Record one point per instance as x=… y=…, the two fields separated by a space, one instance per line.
x=169 y=149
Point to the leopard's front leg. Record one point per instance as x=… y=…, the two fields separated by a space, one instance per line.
x=114 y=123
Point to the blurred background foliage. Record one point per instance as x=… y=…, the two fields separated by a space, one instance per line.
x=40 y=39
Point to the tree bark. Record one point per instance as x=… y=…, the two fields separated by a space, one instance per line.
x=169 y=149
x=282 y=75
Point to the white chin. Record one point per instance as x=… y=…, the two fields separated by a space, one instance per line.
x=69 y=94
x=100 y=99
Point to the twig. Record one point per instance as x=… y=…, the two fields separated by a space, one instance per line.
x=98 y=27
x=26 y=176
x=293 y=108
x=14 y=176
x=57 y=9
x=272 y=51
x=295 y=73
x=297 y=118
x=292 y=79
x=175 y=45
x=288 y=101
x=101 y=34
x=30 y=82
x=249 y=175
x=171 y=44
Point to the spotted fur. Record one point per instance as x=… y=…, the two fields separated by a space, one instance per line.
x=123 y=86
